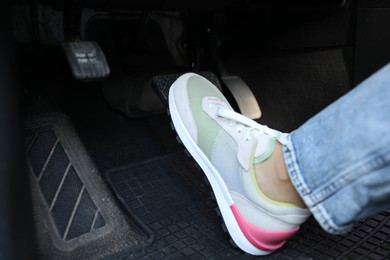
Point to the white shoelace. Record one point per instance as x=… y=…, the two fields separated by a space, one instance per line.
x=253 y=129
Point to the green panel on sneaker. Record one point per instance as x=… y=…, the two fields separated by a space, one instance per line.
x=198 y=88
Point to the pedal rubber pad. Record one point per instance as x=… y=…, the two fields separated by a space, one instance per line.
x=244 y=97
x=86 y=60
x=162 y=83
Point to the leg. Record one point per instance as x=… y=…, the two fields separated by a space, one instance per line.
x=334 y=163
x=339 y=161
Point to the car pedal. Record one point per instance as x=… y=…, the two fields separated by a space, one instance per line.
x=86 y=60
x=162 y=83
x=244 y=97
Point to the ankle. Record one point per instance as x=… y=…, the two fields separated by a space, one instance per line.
x=274 y=181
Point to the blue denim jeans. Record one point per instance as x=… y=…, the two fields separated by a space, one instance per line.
x=339 y=160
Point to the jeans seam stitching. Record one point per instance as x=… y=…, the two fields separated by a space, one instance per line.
x=315 y=206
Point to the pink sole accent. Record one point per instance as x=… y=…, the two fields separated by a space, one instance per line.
x=267 y=240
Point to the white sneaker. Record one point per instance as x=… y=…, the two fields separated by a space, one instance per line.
x=227 y=145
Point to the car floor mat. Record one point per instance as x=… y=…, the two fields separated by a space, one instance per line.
x=76 y=216
x=169 y=195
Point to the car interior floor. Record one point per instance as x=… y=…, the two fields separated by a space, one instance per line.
x=110 y=178
x=166 y=201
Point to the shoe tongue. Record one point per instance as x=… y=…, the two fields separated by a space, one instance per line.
x=265 y=148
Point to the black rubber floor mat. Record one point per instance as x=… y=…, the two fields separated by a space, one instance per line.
x=170 y=196
x=75 y=214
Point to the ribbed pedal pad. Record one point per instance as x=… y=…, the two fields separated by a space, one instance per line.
x=86 y=60
x=244 y=97
x=162 y=83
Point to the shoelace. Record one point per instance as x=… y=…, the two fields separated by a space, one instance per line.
x=253 y=129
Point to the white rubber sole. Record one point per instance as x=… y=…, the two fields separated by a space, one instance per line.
x=220 y=190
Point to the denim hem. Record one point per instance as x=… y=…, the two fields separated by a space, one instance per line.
x=319 y=211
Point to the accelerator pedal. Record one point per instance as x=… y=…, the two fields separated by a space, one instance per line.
x=244 y=97
x=86 y=60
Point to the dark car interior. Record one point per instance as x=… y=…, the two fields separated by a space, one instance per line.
x=90 y=167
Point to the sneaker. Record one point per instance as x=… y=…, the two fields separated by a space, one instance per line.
x=227 y=145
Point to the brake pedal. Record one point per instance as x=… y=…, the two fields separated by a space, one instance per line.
x=244 y=97
x=162 y=83
x=86 y=59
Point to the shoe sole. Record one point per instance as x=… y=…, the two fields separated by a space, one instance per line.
x=218 y=186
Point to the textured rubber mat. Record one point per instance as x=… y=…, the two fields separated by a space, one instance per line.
x=170 y=196
x=75 y=214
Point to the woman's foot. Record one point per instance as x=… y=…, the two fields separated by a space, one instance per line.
x=229 y=147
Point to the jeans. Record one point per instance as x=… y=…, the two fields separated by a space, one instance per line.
x=339 y=160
